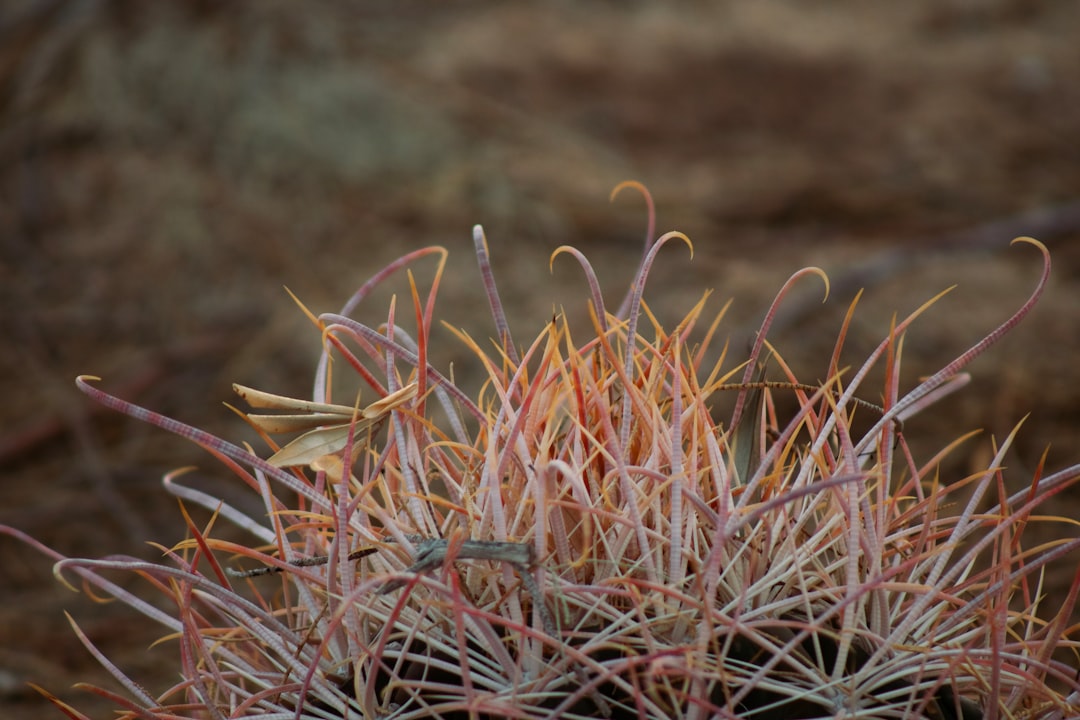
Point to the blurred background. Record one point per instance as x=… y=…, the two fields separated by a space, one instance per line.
x=166 y=167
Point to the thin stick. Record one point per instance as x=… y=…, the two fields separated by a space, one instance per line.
x=433 y=552
x=299 y=562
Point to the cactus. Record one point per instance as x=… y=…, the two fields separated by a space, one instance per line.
x=583 y=537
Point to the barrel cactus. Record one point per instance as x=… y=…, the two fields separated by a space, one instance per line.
x=585 y=536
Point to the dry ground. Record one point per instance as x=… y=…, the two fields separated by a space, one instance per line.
x=167 y=167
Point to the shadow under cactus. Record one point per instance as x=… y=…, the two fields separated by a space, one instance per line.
x=583 y=537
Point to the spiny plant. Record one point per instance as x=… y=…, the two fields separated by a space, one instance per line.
x=583 y=538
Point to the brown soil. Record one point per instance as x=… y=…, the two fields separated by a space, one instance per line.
x=167 y=167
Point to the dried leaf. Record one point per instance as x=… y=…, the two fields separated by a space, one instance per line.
x=312 y=445
x=259 y=399
x=327 y=425
x=391 y=401
x=332 y=465
x=277 y=424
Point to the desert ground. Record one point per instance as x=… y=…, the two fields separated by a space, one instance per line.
x=168 y=167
